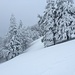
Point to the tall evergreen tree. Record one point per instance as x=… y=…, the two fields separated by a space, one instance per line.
x=13 y=26
x=13 y=44
x=58 y=22
x=20 y=24
x=49 y=22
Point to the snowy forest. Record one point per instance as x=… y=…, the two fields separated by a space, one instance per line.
x=55 y=26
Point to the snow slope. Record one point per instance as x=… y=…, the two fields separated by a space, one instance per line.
x=37 y=60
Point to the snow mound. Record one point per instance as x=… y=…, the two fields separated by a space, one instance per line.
x=55 y=60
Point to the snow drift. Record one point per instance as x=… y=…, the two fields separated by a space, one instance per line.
x=37 y=60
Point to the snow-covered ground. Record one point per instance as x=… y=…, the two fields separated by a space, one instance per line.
x=37 y=60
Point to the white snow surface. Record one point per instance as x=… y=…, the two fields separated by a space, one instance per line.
x=37 y=60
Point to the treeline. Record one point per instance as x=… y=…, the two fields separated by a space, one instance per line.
x=18 y=39
x=55 y=26
x=58 y=22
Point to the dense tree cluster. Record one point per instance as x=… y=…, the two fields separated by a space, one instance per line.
x=58 y=22
x=56 y=25
x=18 y=39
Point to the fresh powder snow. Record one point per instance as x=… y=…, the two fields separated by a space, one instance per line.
x=37 y=60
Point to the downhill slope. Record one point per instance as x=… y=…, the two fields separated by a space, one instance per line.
x=37 y=60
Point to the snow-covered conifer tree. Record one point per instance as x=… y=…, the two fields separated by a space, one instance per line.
x=35 y=31
x=25 y=37
x=66 y=19
x=13 y=44
x=58 y=22
x=20 y=24
x=49 y=22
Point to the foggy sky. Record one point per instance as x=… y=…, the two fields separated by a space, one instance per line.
x=25 y=10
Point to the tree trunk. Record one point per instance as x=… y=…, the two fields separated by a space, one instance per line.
x=67 y=33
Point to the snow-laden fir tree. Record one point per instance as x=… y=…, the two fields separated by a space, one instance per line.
x=17 y=40
x=13 y=44
x=25 y=37
x=48 y=22
x=1 y=45
x=20 y=25
x=1 y=42
x=41 y=24
x=66 y=20
x=13 y=26
x=21 y=36
x=58 y=22
x=35 y=32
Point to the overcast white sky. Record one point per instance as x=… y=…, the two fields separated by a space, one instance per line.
x=26 y=10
